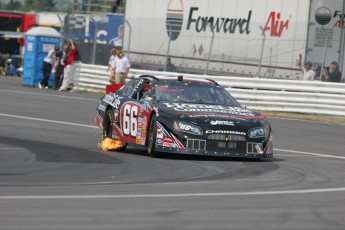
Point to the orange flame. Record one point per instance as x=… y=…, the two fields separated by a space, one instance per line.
x=109 y=144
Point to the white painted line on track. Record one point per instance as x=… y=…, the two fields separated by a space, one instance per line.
x=49 y=95
x=291 y=155
x=9 y=148
x=312 y=154
x=46 y=120
x=220 y=194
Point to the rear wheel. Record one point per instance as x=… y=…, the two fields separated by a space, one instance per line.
x=108 y=127
x=152 y=135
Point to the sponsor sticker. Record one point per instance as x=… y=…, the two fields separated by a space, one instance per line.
x=168 y=139
x=209 y=109
x=144 y=121
x=230 y=123
x=112 y=99
x=101 y=107
x=160 y=133
x=159 y=141
x=138 y=141
x=116 y=116
x=225 y=132
x=165 y=144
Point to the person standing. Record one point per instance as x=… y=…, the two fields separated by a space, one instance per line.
x=110 y=66
x=60 y=62
x=115 y=4
x=333 y=75
x=308 y=73
x=48 y=63
x=121 y=65
x=72 y=56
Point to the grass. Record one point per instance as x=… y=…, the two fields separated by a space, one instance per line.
x=306 y=117
x=96 y=92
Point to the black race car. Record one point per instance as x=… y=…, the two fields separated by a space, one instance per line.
x=183 y=116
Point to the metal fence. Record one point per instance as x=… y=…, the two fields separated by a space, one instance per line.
x=311 y=97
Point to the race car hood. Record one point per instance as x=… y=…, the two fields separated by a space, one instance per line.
x=209 y=116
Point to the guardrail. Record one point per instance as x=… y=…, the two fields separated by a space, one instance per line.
x=312 y=97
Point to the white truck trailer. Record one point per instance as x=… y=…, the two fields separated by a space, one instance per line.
x=249 y=37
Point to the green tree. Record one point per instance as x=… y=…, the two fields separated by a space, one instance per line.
x=39 y=5
x=12 y=5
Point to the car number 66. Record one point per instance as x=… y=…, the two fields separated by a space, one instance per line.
x=130 y=122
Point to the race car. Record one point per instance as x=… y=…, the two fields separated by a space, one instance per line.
x=182 y=115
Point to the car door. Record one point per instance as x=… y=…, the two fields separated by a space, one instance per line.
x=131 y=120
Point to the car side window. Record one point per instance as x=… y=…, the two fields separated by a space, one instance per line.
x=148 y=95
x=128 y=89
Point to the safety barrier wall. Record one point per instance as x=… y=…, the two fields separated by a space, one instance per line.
x=312 y=97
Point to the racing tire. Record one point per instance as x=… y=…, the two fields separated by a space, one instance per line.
x=152 y=135
x=107 y=130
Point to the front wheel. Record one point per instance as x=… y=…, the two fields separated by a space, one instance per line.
x=152 y=135
x=107 y=130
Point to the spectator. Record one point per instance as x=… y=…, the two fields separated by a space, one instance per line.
x=112 y=70
x=121 y=66
x=2 y=64
x=333 y=75
x=317 y=71
x=115 y=4
x=61 y=57
x=325 y=73
x=48 y=62
x=308 y=73
x=72 y=56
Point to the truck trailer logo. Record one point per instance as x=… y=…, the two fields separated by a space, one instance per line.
x=218 y=24
x=275 y=25
x=174 y=19
x=323 y=16
x=340 y=22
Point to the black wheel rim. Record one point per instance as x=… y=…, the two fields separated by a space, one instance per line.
x=151 y=135
x=151 y=138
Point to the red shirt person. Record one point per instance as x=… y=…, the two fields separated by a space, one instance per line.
x=72 y=56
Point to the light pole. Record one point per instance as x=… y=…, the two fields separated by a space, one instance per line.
x=324 y=52
x=61 y=30
x=341 y=43
x=168 y=50
x=209 y=53
x=270 y=60
x=262 y=52
x=130 y=36
x=94 y=40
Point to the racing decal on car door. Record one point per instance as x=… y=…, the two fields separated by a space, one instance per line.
x=133 y=122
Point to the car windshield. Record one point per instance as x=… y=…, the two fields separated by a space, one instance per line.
x=194 y=92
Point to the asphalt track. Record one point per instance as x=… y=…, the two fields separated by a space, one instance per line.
x=53 y=176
